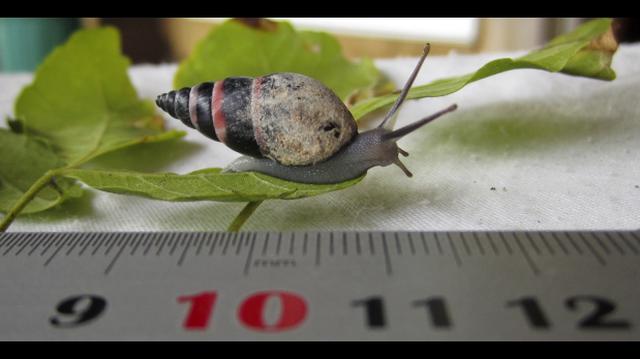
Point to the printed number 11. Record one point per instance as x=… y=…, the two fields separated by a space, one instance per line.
x=374 y=310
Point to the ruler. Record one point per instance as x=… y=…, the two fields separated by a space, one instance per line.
x=320 y=286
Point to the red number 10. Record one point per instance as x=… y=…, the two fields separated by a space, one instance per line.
x=200 y=311
x=293 y=310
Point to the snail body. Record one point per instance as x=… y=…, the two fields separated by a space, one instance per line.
x=367 y=150
x=290 y=126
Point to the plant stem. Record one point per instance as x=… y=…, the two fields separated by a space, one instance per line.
x=37 y=186
x=26 y=198
x=242 y=217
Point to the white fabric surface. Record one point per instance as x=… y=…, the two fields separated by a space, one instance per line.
x=561 y=152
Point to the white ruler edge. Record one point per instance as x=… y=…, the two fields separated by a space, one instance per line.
x=347 y=285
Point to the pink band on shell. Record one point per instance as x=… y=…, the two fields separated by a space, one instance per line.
x=219 y=121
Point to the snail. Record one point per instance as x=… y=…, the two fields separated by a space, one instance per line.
x=291 y=126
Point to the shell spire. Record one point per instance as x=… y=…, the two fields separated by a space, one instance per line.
x=192 y=106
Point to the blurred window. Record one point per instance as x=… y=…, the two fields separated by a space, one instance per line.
x=459 y=31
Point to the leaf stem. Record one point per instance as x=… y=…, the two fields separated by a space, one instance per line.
x=243 y=216
x=49 y=176
x=27 y=197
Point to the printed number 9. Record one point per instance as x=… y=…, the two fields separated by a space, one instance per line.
x=78 y=310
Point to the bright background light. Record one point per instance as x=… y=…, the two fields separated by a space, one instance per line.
x=456 y=30
x=461 y=31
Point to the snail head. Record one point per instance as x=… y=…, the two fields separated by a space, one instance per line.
x=387 y=149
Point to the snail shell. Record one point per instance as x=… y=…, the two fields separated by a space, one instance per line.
x=287 y=117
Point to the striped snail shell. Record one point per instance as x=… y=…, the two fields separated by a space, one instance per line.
x=287 y=117
x=291 y=126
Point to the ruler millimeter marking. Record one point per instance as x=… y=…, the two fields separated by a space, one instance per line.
x=393 y=246
x=341 y=285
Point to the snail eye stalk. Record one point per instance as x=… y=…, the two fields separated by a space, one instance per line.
x=407 y=87
x=399 y=133
x=402 y=167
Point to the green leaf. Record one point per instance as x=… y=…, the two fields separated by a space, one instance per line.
x=83 y=102
x=586 y=51
x=206 y=184
x=80 y=105
x=22 y=162
x=235 y=49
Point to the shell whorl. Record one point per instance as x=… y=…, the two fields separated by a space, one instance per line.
x=287 y=117
x=192 y=106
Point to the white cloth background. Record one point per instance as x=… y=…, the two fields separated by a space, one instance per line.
x=561 y=152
